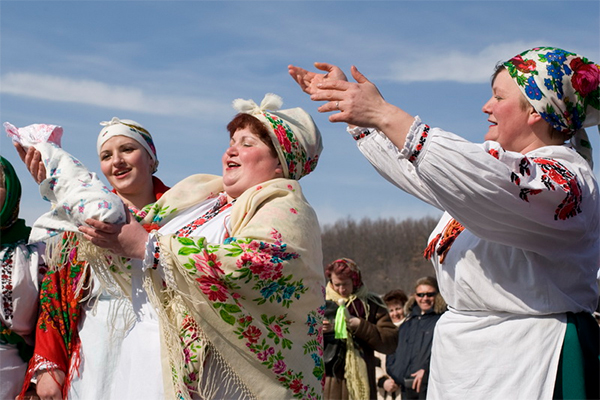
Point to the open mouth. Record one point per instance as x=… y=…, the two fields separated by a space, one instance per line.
x=231 y=164
x=121 y=172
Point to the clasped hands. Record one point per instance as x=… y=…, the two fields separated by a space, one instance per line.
x=359 y=103
x=352 y=323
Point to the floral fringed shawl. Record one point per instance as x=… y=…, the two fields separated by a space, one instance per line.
x=254 y=303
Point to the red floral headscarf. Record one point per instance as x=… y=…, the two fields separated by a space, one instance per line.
x=347 y=268
x=563 y=87
x=293 y=132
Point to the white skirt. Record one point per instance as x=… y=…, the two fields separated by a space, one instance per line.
x=484 y=355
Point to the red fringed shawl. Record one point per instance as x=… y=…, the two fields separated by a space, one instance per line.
x=57 y=343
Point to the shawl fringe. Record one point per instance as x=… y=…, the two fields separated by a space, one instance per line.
x=210 y=381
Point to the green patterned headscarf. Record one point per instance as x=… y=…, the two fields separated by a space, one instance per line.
x=12 y=229
x=563 y=87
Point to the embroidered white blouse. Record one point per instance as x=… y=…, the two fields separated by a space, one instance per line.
x=528 y=254
x=21 y=272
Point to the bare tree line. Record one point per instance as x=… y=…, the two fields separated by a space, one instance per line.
x=389 y=252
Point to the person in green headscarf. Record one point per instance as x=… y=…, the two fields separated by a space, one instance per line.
x=21 y=270
x=13 y=228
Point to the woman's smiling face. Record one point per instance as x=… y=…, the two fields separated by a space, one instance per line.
x=248 y=162
x=126 y=164
x=508 y=114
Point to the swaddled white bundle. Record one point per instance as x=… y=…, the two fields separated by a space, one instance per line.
x=76 y=193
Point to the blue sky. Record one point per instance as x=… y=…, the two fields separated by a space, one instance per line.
x=175 y=67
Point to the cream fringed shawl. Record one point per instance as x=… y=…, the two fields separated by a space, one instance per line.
x=257 y=299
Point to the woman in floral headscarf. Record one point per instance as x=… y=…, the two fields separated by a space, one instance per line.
x=516 y=252
x=357 y=323
x=235 y=269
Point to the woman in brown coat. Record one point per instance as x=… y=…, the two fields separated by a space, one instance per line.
x=356 y=324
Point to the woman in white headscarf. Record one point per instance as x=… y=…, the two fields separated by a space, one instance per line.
x=235 y=270
x=516 y=251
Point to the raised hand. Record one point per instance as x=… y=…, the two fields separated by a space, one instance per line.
x=308 y=80
x=359 y=103
x=33 y=162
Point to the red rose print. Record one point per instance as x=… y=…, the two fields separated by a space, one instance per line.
x=213 y=288
x=208 y=264
x=296 y=385
x=586 y=77
x=252 y=334
x=279 y=367
x=277 y=330
x=283 y=139
x=151 y=227
x=522 y=65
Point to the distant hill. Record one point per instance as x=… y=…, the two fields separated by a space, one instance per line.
x=388 y=252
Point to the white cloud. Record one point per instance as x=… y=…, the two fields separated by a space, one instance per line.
x=454 y=65
x=100 y=94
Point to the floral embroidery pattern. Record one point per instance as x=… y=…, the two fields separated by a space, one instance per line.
x=298 y=162
x=260 y=266
x=494 y=153
x=6 y=273
x=554 y=177
x=424 y=134
x=219 y=207
x=363 y=134
x=191 y=345
x=445 y=239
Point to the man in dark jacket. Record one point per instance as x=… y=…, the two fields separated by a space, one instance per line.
x=409 y=365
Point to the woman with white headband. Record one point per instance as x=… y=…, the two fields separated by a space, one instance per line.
x=88 y=327
x=516 y=251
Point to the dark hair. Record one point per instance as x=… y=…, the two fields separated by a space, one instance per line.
x=242 y=120
x=428 y=280
x=395 y=296
x=345 y=268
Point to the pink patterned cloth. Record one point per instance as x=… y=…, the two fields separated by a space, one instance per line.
x=76 y=193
